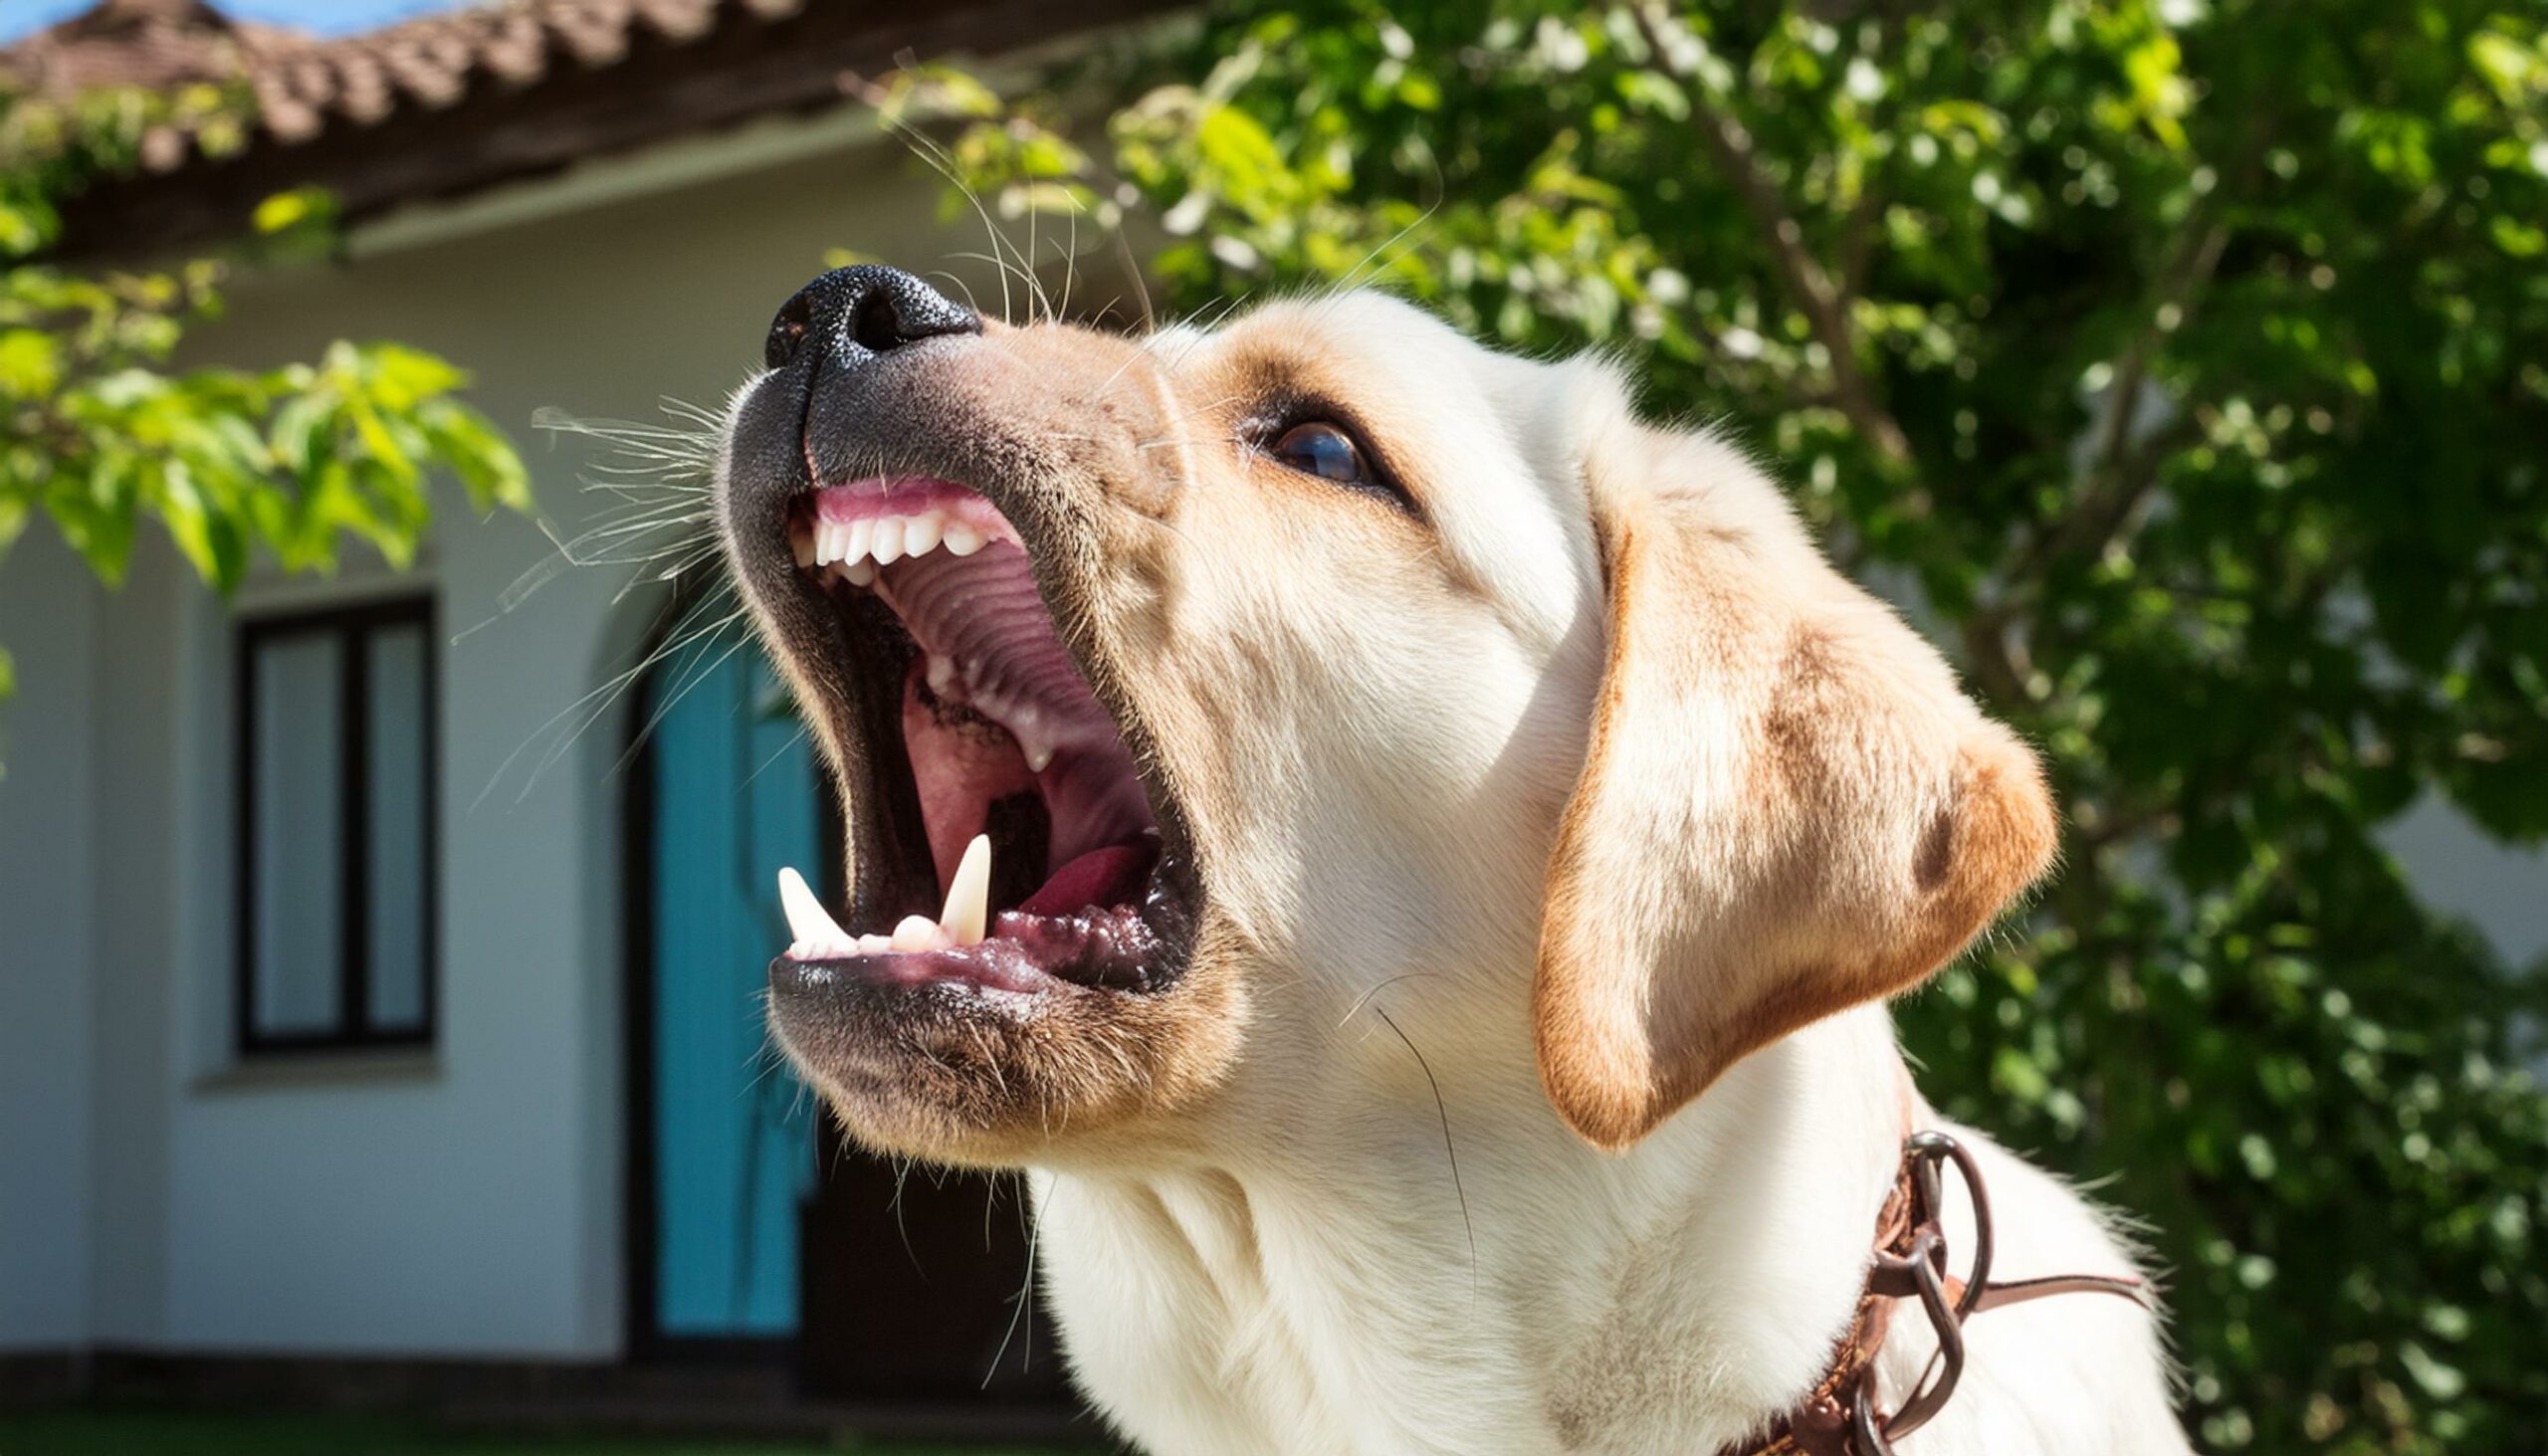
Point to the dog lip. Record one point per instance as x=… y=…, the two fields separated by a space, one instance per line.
x=791 y=977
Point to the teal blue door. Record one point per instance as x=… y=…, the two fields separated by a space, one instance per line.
x=725 y=1133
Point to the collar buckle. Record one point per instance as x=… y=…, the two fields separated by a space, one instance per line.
x=1842 y=1415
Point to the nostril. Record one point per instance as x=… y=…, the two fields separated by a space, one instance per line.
x=787 y=332
x=878 y=324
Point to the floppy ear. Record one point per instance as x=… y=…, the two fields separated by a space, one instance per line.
x=1786 y=807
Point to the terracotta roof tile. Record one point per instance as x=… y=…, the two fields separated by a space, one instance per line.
x=512 y=47
x=428 y=73
x=487 y=92
x=285 y=117
x=595 y=33
x=678 y=20
x=363 y=88
x=358 y=79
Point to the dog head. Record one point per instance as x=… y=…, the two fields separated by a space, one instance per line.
x=1186 y=692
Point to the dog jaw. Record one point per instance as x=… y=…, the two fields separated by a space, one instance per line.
x=988 y=1045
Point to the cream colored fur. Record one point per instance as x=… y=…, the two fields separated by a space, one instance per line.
x=1306 y=1272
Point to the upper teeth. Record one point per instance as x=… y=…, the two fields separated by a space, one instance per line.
x=860 y=546
x=964 y=922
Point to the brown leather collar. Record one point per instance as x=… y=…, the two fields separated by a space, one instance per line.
x=1841 y=1415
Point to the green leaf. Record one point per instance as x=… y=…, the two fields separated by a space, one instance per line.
x=29 y=363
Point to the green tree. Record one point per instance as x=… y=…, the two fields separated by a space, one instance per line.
x=99 y=433
x=2188 y=362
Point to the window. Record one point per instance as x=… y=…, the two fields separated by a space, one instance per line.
x=336 y=828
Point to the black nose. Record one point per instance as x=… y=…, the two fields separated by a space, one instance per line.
x=855 y=313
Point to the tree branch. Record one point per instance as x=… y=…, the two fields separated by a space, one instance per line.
x=2196 y=254
x=2123 y=472
x=1990 y=663
x=1824 y=306
x=1858 y=239
x=2116 y=492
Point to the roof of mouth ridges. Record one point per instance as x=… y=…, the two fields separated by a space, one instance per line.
x=456 y=100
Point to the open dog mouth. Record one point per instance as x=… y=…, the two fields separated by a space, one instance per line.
x=1043 y=846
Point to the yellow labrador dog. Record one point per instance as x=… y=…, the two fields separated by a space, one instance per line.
x=1412 y=861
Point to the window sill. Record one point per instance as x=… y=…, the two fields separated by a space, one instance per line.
x=363 y=1066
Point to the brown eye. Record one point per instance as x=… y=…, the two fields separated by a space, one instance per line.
x=1321 y=450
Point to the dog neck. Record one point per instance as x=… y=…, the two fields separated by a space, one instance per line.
x=1341 y=1288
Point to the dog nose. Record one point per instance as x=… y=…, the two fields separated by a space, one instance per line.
x=856 y=313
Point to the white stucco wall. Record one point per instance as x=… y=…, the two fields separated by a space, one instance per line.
x=48 y=621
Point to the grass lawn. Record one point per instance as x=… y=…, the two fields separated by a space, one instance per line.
x=154 y=1432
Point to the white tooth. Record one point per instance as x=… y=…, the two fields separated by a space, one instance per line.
x=875 y=944
x=942 y=674
x=961 y=539
x=887 y=548
x=807 y=921
x=1039 y=758
x=968 y=895
x=920 y=533
x=854 y=538
x=916 y=932
x=822 y=542
x=858 y=574
x=801 y=542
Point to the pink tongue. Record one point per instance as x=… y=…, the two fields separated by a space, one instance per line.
x=1103 y=877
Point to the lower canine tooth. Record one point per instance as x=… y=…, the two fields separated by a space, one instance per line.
x=807 y=921
x=858 y=574
x=968 y=895
x=802 y=543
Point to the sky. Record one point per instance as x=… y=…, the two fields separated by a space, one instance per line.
x=326 y=17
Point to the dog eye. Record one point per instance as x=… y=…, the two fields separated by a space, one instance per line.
x=1321 y=449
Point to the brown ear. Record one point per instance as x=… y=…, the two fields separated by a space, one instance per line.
x=1786 y=807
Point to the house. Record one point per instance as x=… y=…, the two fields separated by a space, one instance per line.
x=379 y=955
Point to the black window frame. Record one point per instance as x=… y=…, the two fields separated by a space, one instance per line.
x=352 y=627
